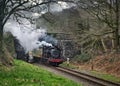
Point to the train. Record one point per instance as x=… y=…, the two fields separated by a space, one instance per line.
x=51 y=55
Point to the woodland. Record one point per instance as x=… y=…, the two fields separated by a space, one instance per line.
x=94 y=26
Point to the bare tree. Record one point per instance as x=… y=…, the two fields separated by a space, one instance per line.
x=108 y=12
x=19 y=8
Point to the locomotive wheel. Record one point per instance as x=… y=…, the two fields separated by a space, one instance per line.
x=54 y=64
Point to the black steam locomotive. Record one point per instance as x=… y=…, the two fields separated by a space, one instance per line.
x=50 y=54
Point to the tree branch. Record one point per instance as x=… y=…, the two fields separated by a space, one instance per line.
x=13 y=10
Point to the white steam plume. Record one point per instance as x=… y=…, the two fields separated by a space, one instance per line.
x=26 y=34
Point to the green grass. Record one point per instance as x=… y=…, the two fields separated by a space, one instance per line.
x=24 y=74
x=106 y=76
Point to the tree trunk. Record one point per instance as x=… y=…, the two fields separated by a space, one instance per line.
x=116 y=29
x=103 y=44
x=116 y=39
x=5 y=58
x=1 y=44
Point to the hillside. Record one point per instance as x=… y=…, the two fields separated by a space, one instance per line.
x=104 y=66
x=24 y=74
x=108 y=63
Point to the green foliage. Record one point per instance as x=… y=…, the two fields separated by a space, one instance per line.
x=24 y=74
x=82 y=57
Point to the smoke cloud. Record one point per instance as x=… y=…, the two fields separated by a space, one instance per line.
x=27 y=34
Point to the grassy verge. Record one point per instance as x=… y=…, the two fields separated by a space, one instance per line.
x=106 y=76
x=24 y=74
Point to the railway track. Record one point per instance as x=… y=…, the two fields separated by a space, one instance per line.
x=85 y=79
x=90 y=78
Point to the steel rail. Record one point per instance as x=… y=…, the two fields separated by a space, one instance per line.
x=88 y=77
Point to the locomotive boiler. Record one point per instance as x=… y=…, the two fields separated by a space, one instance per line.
x=52 y=55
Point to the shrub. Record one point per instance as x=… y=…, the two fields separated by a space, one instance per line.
x=82 y=57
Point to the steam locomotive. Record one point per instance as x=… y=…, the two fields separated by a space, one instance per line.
x=52 y=55
x=49 y=54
